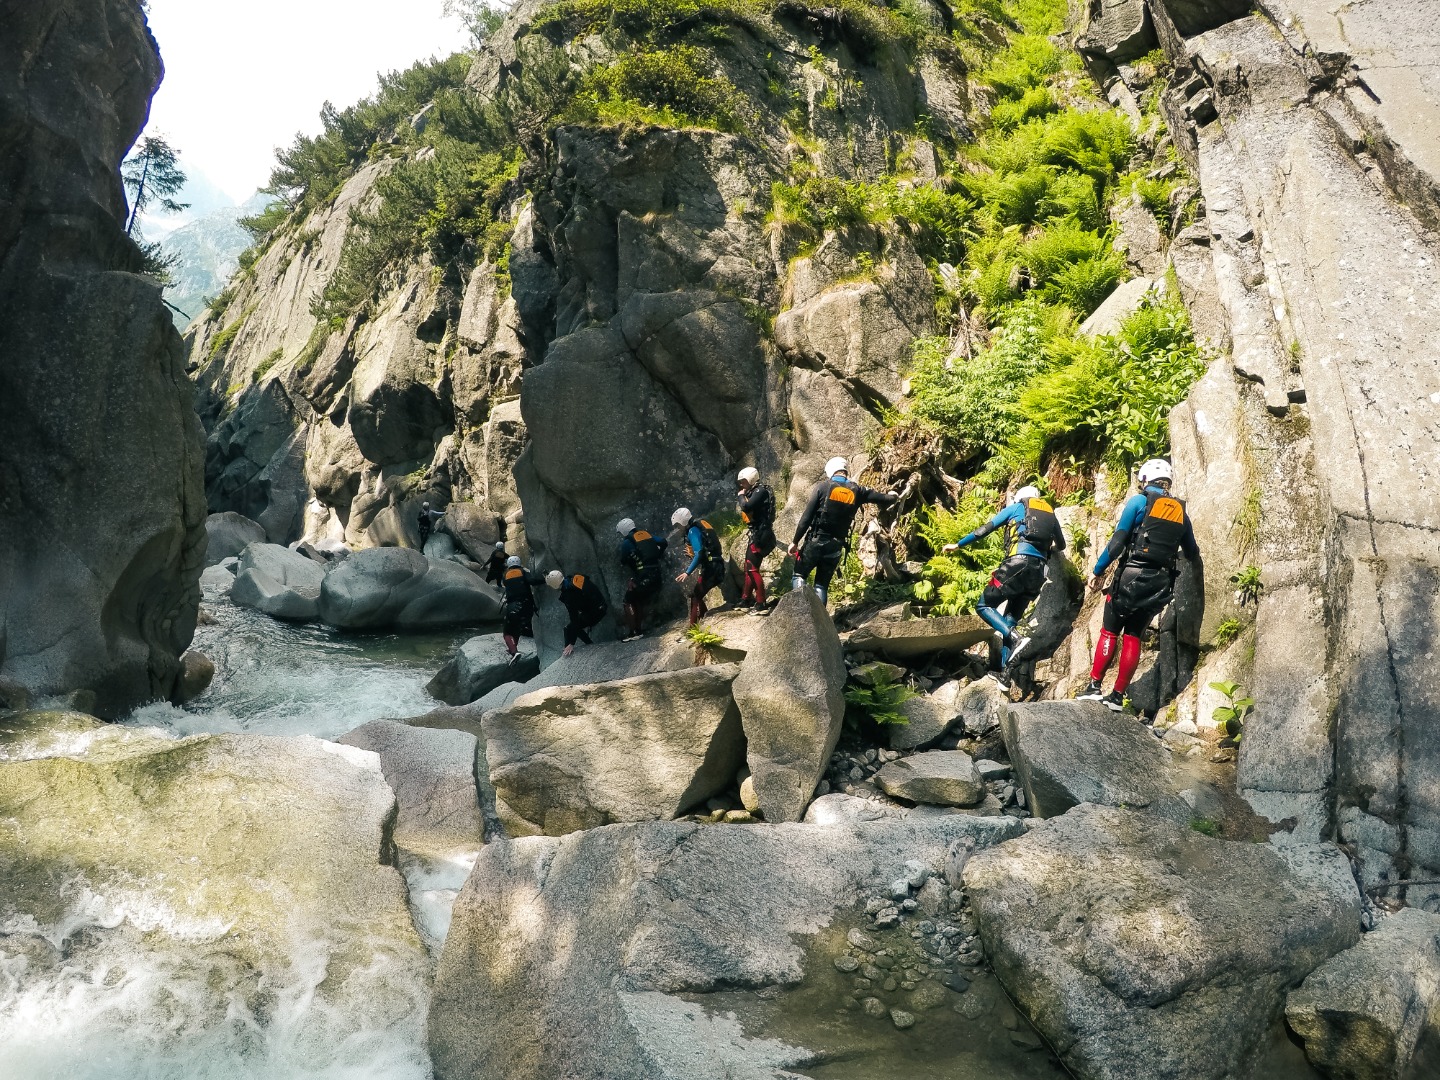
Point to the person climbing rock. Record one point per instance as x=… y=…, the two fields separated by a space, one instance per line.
x=707 y=560
x=585 y=603
x=1032 y=532
x=641 y=553
x=824 y=527
x=517 y=612
x=495 y=567
x=425 y=521
x=1153 y=531
x=756 y=503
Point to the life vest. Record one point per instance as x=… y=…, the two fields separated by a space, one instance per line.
x=761 y=515
x=517 y=589
x=1156 y=540
x=837 y=510
x=709 y=543
x=1040 y=528
x=645 y=555
x=579 y=582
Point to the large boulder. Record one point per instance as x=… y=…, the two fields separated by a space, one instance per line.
x=791 y=695
x=1071 y=752
x=1373 y=1012
x=612 y=953
x=432 y=772
x=974 y=707
x=1143 y=950
x=102 y=512
x=228 y=534
x=609 y=661
x=398 y=587
x=212 y=878
x=480 y=665
x=907 y=640
x=641 y=749
x=280 y=582
x=937 y=778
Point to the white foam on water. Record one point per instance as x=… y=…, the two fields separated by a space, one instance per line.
x=134 y=1000
x=434 y=884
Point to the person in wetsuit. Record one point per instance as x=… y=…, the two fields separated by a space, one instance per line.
x=495 y=566
x=756 y=503
x=584 y=602
x=823 y=531
x=425 y=522
x=1154 y=530
x=517 y=610
x=707 y=561
x=1032 y=532
x=641 y=553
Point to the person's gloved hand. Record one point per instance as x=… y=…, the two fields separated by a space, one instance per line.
x=682 y=577
x=950 y=549
x=795 y=551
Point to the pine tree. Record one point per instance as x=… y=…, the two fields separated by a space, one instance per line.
x=151 y=173
x=480 y=17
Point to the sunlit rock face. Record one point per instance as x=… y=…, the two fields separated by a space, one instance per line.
x=101 y=508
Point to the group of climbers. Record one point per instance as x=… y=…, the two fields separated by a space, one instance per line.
x=1140 y=562
x=1154 y=530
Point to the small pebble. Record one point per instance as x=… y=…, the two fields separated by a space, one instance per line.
x=908 y=984
x=909 y=905
x=874 y=904
x=887 y=917
x=902 y=1019
x=1009 y=1018
x=873 y=1006
x=899 y=889
x=861 y=940
x=971 y=1007
x=889 y=986
x=957 y=982
x=1026 y=1040
x=884 y=960
x=873 y=973
x=857 y=773
x=846 y=963
x=739 y=817
x=918 y=872
x=870 y=756
x=926 y=927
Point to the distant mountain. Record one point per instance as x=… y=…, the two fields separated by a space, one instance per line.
x=208 y=250
x=201 y=197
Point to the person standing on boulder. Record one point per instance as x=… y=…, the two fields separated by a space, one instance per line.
x=707 y=560
x=425 y=521
x=757 y=508
x=585 y=603
x=518 y=609
x=824 y=527
x=1154 y=530
x=1032 y=532
x=495 y=567
x=641 y=553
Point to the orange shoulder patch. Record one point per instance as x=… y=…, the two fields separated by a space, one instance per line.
x=841 y=494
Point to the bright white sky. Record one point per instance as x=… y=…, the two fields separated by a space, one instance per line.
x=243 y=78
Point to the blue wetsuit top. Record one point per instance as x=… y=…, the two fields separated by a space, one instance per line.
x=1015 y=512
x=1130 y=516
x=696 y=540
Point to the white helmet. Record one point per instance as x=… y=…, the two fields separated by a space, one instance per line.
x=625 y=526
x=424 y=506
x=1155 y=469
x=499 y=545
x=681 y=517
x=1029 y=491
x=749 y=475
x=837 y=465
x=512 y=562
x=554 y=579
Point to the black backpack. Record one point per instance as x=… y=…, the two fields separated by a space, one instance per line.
x=1041 y=528
x=1156 y=540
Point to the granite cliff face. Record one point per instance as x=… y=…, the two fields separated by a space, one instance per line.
x=624 y=363
x=1313 y=132
x=101 y=501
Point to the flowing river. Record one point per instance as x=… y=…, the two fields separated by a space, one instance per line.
x=127 y=990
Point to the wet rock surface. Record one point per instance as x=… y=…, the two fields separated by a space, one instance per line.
x=482 y=664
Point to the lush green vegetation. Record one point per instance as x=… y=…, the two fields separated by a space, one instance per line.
x=672 y=87
x=882 y=699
